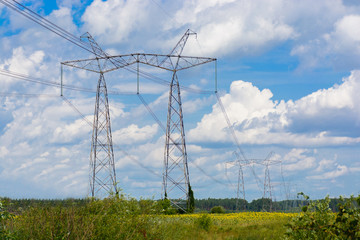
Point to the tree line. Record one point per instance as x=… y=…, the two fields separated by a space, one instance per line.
x=201 y=205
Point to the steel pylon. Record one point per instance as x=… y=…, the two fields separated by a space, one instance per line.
x=240 y=190
x=176 y=181
x=102 y=165
x=267 y=180
x=176 y=184
x=102 y=175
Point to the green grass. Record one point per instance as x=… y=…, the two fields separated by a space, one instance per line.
x=126 y=218
x=120 y=217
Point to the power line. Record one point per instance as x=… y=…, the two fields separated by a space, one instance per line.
x=33 y=16
x=84 y=118
x=70 y=87
x=82 y=89
x=25 y=11
x=29 y=95
x=76 y=110
x=55 y=84
x=163 y=10
x=230 y=126
x=164 y=129
x=70 y=37
x=137 y=161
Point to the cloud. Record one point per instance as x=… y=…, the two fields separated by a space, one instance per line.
x=333 y=111
x=133 y=134
x=325 y=117
x=339 y=48
x=191 y=106
x=231 y=28
x=118 y=19
x=339 y=171
x=325 y=164
x=298 y=160
x=71 y=132
x=3 y=151
x=46 y=144
x=223 y=27
x=243 y=27
x=23 y=62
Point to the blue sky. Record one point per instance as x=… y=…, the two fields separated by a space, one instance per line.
x=288 y=76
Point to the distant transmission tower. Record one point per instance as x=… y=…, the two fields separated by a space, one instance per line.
x=267 y=180
x=102 y=165
x=241 y=163
x=240 y=191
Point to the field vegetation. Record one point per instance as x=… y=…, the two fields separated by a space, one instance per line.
x=122 y=217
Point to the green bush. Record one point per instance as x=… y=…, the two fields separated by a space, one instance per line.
x=164 y=207
x=116 y=217
x=217 y=209
x=4 y=216
x=317 y=221
x=204 y=222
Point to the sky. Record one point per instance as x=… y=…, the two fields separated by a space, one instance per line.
x=288 y=75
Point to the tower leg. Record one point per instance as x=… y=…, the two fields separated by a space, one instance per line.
x=102 y=165
x=176 y=174
x=267 y=188
x=240 y=189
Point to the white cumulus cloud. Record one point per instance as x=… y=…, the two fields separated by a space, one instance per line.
x=325 y=117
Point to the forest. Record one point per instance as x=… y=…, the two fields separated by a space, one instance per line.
x=201 y=205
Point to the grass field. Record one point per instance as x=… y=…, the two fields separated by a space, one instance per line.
x=101 y=220
x=247 y=225
x=127 y=218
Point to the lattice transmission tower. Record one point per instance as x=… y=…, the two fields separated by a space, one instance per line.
x=267 y=194
x=102 y=165
x=176 y=174
x=176 y=182
x=240 y=190
x=241 y=164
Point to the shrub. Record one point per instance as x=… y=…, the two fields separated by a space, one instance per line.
x=116 y=217
x=4 y=216
x=204 y=222
x=217 y=209
x=347 y=222
x=317 y=221
x=164 y=207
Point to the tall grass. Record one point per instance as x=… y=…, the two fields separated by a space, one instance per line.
x=120 y=217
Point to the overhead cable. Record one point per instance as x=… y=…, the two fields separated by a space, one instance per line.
x=30 y=14
x=33 y=16
x=114 y=145
x=55 y=84
x=233 y=133
x=17 y=94
x=164 y=129
x=77 y=110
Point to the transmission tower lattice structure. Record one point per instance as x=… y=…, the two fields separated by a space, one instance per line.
x=176 y=182
x=102 y=165
x=240 y=190
x=267 y=180
x=176 y=174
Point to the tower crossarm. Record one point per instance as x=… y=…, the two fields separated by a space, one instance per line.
x=167 y=62
x=111 y=63
x=270 y=162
